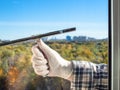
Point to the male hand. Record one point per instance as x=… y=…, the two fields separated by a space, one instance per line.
x=47 y=61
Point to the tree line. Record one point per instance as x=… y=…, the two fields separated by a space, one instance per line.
x=15 y=62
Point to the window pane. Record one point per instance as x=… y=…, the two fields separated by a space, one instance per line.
x=23 y=18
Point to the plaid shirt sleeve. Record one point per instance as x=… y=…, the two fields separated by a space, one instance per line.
x=89 y=76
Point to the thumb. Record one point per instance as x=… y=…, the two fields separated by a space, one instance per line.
x=49 y=52
x=51 y=55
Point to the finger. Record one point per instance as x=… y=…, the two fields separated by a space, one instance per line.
x=39 y=62
x=38 y=58
x=37 y=52
x=42 y=73
x=41 y=68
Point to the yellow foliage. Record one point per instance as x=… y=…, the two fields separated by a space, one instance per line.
x=12 y=75
x=69 y=46
x=1 y=72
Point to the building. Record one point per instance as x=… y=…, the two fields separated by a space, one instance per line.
x=68 y=38
x=80 y=38
x=91 y=39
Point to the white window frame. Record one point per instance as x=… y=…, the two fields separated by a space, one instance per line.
x=115 y=33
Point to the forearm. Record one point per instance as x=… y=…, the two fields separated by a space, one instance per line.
x=87 y=75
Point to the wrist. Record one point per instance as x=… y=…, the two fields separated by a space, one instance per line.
x=66 y=71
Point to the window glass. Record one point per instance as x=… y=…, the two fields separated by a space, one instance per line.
x=24 y=18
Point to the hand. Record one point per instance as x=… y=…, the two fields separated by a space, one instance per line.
x=47 y=61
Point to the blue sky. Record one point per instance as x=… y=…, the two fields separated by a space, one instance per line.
x=23 y=18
